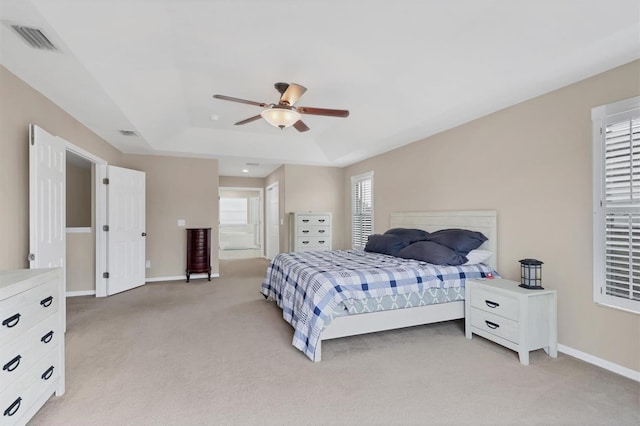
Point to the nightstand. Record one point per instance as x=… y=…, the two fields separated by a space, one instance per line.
x=517 y=318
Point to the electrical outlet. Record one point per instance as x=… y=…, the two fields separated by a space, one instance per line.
x=181 y=222
x=147 y=264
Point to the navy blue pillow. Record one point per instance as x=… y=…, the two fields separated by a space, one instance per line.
x=413 y=234
x=386 y=244
x=460 y=240
x=431 y=252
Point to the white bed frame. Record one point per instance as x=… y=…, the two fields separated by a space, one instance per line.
x=352 y=325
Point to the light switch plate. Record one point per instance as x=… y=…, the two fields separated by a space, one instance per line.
x=181 y=222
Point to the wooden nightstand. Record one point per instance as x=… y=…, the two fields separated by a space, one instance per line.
x=514 y=317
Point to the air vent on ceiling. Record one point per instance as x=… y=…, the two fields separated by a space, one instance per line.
x=128 y=133
x=34 y=37
x=253 y=164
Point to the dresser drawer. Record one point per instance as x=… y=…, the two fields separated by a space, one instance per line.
x=495 y=324
x=495 y=303
x=20 y=396
x=313 y=242
x=313 y=219
x=313 y=231
x=23 y=352
x=19 y=313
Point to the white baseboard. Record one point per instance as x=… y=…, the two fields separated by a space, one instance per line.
x=81 y=293
x=179 y=277
x=603 y=363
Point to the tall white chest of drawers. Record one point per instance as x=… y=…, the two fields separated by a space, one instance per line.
x=31 y=341
x=310 y=231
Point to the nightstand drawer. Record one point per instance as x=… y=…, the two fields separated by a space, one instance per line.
x=495 y=303
x=495 y=324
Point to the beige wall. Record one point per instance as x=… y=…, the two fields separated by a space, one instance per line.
x=241 y=182
x=319 y=189
x=21 y=105
x=177 y=188
x=81 y=267
x=531 y=163
x=78 y=196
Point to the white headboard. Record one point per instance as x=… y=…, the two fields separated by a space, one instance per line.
x=481 y=221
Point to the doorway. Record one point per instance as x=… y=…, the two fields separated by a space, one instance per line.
x=241 y=219
x=273 y=220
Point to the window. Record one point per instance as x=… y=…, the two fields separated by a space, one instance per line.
x=233 y=211
x=361 y=209
x=616 y=204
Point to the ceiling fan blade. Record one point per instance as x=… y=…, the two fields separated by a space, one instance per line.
x=323 y=111
x=292 y=94
x=242 y=101
x=300 y=126
x=249 y=120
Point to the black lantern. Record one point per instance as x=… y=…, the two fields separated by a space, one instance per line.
x=531 y=274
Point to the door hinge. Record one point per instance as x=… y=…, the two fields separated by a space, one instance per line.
x=105 y=275
x=31 y=257
x=105 y=181
x=105 y=228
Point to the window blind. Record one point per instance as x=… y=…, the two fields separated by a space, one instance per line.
x=621 y=203
x=362 y=210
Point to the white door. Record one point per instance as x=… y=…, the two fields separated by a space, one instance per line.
x=273 y=221
x=47 y=210
x=126 y=232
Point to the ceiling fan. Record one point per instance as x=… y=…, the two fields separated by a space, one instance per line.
x=284 y=114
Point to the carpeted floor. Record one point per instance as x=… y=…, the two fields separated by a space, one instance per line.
x=216 y=353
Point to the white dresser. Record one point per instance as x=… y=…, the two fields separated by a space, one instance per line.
x=310 y=231
x=517 y=318
x=31 y=341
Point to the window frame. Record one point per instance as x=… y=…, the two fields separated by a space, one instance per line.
x=602 y=116
x=355 y=180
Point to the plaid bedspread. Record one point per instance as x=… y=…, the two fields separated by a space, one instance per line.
x=309 y=285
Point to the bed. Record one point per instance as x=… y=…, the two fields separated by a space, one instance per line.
x=315 y=290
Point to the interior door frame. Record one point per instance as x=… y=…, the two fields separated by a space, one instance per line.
x=99 y=207
x=275 y=186
x=261 y=228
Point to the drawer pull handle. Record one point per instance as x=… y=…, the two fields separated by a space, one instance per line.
x=305 y=231
x=492 y=325
x=491 y=304
x=321 y=241
x=47 y=337
x=46 y=302
x=305 y=242
x=321 y=220
x=13 y=364
x=13 y=408
x=12 y=321
x=305 y=220
x=321 y=231
x=47 y=374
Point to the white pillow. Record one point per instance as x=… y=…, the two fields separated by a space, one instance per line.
x=478 y=256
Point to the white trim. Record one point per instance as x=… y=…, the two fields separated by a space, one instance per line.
x=79 y=230
x=84 y=153
x=599 y=362
x=601 y=116
x=100 y=199
x=179 y=278
x=77 y=293
x=261 y=228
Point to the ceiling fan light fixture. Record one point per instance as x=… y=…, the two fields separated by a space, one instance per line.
x=280 y=117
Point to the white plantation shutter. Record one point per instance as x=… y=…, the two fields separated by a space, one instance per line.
x=617 y=205
x=362 y=209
